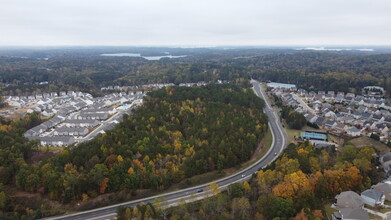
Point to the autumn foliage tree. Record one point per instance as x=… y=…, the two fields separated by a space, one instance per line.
x=177 y=133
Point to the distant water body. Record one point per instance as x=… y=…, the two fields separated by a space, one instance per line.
x=337 y=49
x=139 y=55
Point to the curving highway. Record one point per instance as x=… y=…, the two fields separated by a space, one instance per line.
x=278 y=144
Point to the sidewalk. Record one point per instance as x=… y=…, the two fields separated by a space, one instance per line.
x=384 y=216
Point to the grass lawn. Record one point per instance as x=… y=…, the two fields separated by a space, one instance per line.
x=293 y=132
x=366 y=141
x=372 y=216
x=382 y=210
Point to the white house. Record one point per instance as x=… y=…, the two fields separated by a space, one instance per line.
x=373 y=198
x=329 y=114
x=354 y=132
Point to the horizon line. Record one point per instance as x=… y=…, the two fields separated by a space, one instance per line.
x=195 y=46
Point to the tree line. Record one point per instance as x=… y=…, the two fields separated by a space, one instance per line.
x=338 y=71
x=298 y=185
x=177 y=133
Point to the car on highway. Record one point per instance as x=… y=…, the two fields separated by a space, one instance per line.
x=104 y=212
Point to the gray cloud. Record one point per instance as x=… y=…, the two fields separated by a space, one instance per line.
x=202 y=22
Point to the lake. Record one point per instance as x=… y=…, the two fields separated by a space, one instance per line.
x=139 y=55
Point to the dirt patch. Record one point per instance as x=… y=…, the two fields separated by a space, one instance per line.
x=8 y=107
x=17 y=114
x=37 y=156
x=336 y=139
x=112 y=198
x=36 y=201
x=257 y=151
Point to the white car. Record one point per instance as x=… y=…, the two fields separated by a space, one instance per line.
x=243 y=175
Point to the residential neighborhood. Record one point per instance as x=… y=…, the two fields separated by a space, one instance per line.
x=339 y=113
x=347 y=115
x=154 y=86
x=74 y=116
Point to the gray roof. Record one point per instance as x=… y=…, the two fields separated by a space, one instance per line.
x=99 y=114
x=64 y=139
x=93 y=110
x=366 y=115
x=75 y=121
x=66 y=129
x=386 y=157
x=349 y=199
x=354 y=129
x=372 y=194
x=382 y=187
x=354 y=213
x=319 y=120
x=330 y=123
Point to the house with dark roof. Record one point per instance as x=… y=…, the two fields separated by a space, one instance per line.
x=344 y=111
x=329 y=97
x=366 y=116
x=351 y=214
x=340 y=127
x=319 y=121
x=338 y=116
x=311 y=118
x=354 y=132
x=347 y=119
x=384 y=188
x=357 y=115
x=311 y=94
x=385 y=160
x=378 y=117
x=349 y=99
x=321 y=92
x=330 y=124
x=339 y=99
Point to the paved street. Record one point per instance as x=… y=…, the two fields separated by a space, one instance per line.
x=278 y=144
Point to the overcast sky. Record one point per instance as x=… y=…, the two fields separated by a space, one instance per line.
x=195 y=22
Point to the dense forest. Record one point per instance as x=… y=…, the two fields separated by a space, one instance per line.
x=179 y=132
x=299 y=185
x=87 y=71
x=15 y=150
x=325 y=71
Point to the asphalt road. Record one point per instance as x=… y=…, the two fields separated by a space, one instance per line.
x=303 y=104
x=278 y=144
x=105 y=125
